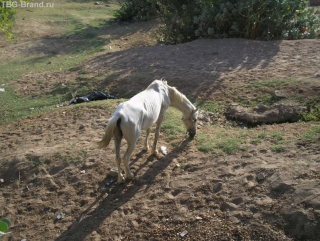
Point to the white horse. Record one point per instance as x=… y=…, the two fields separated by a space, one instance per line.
x=140 y=113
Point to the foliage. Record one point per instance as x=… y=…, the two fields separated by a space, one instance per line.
x=223 y=142
x=253 y=19
x=276 y=148
x=141 y=10
x=312 y=135
x=313 y=113
x=7 y=12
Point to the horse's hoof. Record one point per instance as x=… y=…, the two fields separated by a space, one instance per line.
x=155 y=152
x=121 y=179
x=146 y=148
x=130 y=176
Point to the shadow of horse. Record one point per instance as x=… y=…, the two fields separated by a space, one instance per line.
x=122 y=193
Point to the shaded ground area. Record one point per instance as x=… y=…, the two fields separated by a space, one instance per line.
x=254 y=194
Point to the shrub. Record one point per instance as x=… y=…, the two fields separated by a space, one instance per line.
x=7 y=11
x=138 y=10
x=253 y=19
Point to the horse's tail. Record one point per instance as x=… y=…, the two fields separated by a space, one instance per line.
x=109 y=132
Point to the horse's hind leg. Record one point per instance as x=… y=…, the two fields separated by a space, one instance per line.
x=146 y=145
x=126 y=160
x=132 y=137
x=117 y=141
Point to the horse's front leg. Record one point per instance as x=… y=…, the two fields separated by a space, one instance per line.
x=156 y=137
x=146 y=145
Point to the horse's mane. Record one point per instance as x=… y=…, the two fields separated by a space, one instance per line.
x=175 y=95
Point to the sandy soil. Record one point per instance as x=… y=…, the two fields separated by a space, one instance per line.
x=255 y=194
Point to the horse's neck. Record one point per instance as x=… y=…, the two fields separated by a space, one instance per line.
x=182 y=104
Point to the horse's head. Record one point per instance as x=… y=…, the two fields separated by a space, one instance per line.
x=190 y=123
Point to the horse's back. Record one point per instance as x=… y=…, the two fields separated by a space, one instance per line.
x=142 y=110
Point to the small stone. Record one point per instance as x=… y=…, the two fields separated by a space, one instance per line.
x=1 y=180
x=261 y=176
x=228 y=207
x=278 y=94
x=83 y=171
x=81 y=127
x=276 y=183
x=217 y=187
x=262 y=107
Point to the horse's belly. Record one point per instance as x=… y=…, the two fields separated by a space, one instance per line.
x=148 y=122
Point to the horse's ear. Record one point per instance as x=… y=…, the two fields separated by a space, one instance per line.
x=164 y=81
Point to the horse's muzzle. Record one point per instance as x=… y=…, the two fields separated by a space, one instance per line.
x=192 y=133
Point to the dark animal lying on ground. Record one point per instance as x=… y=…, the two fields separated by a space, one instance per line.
x=96 y=95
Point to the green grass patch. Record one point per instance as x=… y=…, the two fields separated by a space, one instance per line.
x=14 y=107
x=209 y=106
x=72 y=158
x=205 y=143
x=172 y=125
x=276 y=148
x=277 y=136
x=312 y=135
x=185 y=166
x=231 y=145
x=222 y=142
x=262 y=135
x=255 y=141
x=35 y=161
x=80 y=38
x=262 y=91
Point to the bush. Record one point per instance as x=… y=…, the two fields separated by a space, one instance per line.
x=7 y=11
x=253 y=19
x=313 y=110
x=136 y=10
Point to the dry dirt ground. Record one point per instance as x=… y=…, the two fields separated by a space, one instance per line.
x=255 y=194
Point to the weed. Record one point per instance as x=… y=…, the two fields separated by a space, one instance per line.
x=276 y=148
x=205 y=143
x=314 y=111
x=230 y=145
x=35 y=160
x=256 y=141
x=312 y=135
x=278 y=136
x=185 y=166
x=172 y=126
x=262 y=135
